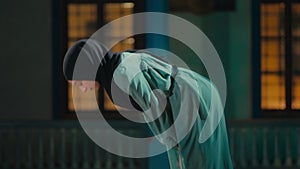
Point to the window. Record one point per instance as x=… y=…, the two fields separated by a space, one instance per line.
x=82 y=19
x=273 y=57
x=276 y=58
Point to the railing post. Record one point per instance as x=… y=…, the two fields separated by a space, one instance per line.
x=85 y=150
x=254 y=152
x=243 y=147
x=63 y=148
x=29 y=148
x=5 y=155
x=232 y=144
x=1 y=149
x=51 y=149
x=40 y=150
x=131 y=160
x=277 y=162
x=97 y=162
x=265 y=148
x=288 y=160
x=17 y=149
x=298 y=152
x=119 y=158
x=108 y=156
x=74 y=163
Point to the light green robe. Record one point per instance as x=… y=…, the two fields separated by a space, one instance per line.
x=188 y=98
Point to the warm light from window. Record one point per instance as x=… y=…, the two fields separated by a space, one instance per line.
x=82 y=23
x=272 y=57
x=296 y=56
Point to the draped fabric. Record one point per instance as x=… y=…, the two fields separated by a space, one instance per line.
x=138 y=74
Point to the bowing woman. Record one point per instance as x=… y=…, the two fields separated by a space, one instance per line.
x=188 y=96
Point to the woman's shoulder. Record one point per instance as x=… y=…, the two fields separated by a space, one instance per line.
x=128 y=68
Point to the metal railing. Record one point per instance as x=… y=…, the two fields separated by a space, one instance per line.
x=60 y=144
x=265 y=143
x=63 y=144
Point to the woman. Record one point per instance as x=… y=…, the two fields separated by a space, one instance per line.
x=177 y=91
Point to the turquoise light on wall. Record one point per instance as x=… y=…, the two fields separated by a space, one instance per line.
x=161 y=42
x=155 y=40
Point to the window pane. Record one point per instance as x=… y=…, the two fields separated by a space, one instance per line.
x=82 y=23
x=272 y=16
x=272 y=92
x=114 y=11
x=296 y=55
x=272 y=56
x=83 y=100
x=296 y=92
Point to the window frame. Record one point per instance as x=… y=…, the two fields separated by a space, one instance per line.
x=258 y=112
x=59 y=43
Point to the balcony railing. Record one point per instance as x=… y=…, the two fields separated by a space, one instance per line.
x=63 y=144
x=265 y=143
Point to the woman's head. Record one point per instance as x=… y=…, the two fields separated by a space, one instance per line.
x=85 y=55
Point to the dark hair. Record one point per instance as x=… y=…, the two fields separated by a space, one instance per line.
x=87 y=54
x=70 y=59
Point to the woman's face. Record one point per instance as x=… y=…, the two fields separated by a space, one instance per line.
x=85 y=85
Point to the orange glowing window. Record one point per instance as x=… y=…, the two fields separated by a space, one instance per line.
x=82 y=21
x=280 y=55
x=272 y=57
